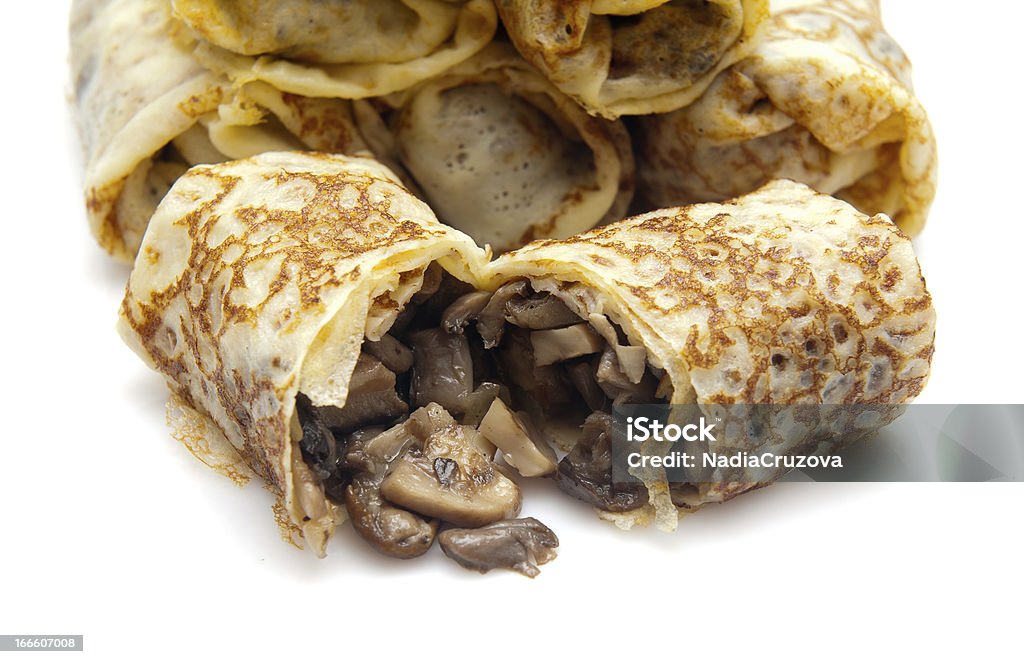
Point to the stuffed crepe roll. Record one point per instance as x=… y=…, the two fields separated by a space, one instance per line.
x=147 y=111
x=502 y=155
x=784 y=296
x=267 y=292
x=632 y=57
x=824 y=99
x=350 y=50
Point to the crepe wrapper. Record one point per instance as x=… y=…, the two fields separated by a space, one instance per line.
x=349 y=50
x=824 y=99
x=501 y=154
x=784 y=296
x=147 y=110
x=262 y=277
x=632 y=57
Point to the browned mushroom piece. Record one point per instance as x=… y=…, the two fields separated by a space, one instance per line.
x=480 y=442
x=464 y=309
x=610 y=376
x=520 y=443
x=318 y=446
x=389 y=529
x=515 y=356
x=586 y=471
x=363 y=409
x=632 y=361
x=516 y=544
x=619 y=387
x=464 y=489
x=442 y=370
x=491 y=320
x=395 y=355
x=539 y=312
x=552 y=390
x=371 y=398
x=550 y=346
x=370 y=375
x=581 y=375
x=479 y=401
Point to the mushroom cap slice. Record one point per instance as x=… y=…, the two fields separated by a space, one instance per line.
x=448 y=478
x=540 y=312
x=516 y=544
x=515 y=440
x=443 y=369
x=389 y=529
x=586 y=471
x=550 y=346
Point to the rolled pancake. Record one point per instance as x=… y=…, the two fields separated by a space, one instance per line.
x=502 y=155
x=260 y=278
x=632 y=57
x=824 y=99
x=349 y=50
x=147 y=111
x=784 y=296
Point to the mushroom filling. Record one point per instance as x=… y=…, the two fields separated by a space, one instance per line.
x=460 y=398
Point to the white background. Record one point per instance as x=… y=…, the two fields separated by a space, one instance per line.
x=111 y=529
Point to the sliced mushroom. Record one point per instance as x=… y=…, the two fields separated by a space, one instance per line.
x=461 y=311
x=491 y=320
x=465 y=489
x=540 y=312
x=586 y=471
x=604 y=327
x=511 y=435
x=391 y=530
x=364 y=409
x=581 y=375
x=443 y=369
x=370 y=375
x=642 y=392
x=307 y=494
x=318 y=446
x=392 y=353
x=632 y=361
x=550 y=346
x=479 y=401
x=516 y=544
x=552 y=390
x=480 y=442
x=610 y=376
x=516 y=358
x=620 y=387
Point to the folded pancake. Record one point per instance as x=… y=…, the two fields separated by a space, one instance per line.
x=784 y=296
x=147 y=111
x=257 y=285
x=824 y=99
x=632 y=57
x=502 y=155
x=352 y=50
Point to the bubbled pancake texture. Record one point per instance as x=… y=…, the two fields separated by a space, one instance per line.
x=245 y=262
x=782 y=296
